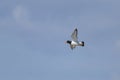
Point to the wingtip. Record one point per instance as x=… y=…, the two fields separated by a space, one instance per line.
x=75 y=29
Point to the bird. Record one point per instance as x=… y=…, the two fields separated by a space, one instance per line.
x=74 y=42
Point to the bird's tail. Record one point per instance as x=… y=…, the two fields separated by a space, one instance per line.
x=82 y=43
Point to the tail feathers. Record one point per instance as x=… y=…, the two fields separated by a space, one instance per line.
x=82 y=43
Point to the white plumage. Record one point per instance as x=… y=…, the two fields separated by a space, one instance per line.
x=74 y=42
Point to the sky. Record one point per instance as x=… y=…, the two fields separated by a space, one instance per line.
x=33 y=35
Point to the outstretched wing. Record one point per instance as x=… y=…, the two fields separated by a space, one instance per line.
x=74 y=35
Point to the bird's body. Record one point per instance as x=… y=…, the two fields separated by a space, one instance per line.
x=74 y=42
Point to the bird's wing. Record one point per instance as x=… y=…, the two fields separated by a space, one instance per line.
x=74 y=35
x=72 y=47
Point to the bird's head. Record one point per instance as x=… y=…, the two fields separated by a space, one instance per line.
x=68 y=41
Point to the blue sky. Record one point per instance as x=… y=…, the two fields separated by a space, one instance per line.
x=33 y=35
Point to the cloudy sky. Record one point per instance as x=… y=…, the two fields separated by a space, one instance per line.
x=33 y=35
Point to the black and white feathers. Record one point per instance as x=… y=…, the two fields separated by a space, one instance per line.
x=74 y=42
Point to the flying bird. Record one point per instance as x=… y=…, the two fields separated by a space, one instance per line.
x=74 y=42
